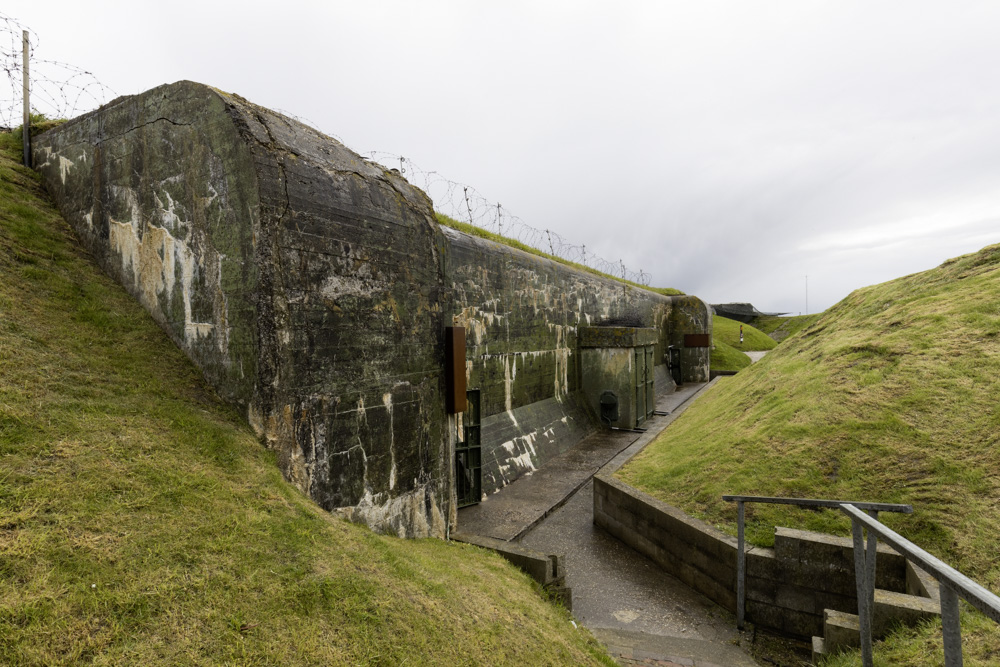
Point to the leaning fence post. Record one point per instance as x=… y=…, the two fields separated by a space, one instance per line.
x=26 y=128
x=741 y=567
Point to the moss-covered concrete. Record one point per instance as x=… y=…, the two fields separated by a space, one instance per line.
x=312 y=288
x=302 y=279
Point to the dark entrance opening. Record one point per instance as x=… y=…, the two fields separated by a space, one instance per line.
x=468 y=455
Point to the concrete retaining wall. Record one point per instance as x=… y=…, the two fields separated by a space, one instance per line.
x=788 y=587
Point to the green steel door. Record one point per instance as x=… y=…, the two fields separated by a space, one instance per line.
x=639 y=407
x=650 y=388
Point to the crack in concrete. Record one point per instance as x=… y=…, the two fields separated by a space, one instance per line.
x=139 y=127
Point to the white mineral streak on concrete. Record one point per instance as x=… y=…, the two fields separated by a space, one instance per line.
x=387 y=402
x=192 y=330
x=168 y=216
x=403 y=515
x=521 y=455
x=153 y=259
x=336 y=286
x=508 y=385
x=221 y=312
x=65 y=165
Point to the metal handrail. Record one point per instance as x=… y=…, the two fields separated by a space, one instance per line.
x=953 y=584
x=873 y=508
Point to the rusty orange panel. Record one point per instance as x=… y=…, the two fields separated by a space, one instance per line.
x=697 y=340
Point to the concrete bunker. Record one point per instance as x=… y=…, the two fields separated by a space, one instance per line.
x=618 y=374
x=313 y=288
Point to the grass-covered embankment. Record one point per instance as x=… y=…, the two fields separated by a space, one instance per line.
x=727 y=352
x=890 y=396
x=142 y=523
x=781 y=327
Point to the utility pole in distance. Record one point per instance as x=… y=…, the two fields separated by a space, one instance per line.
x=26 y=128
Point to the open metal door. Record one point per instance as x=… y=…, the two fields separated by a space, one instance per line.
x=468 y=455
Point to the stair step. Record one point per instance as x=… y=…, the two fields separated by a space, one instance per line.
x=840 y=630
x=892 y=609
x=819 y=649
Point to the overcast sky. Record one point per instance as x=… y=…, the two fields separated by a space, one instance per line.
x=730 y=149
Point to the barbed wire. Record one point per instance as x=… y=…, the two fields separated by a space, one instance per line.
x=464 y=203
x=61 y=90
x=58 y=90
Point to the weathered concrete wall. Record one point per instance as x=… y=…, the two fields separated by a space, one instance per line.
x=690 y=315
x=522 y=313
x=313 y=287
x=788 y=587
x=302 y=279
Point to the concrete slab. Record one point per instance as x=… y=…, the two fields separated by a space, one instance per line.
x=640 y=648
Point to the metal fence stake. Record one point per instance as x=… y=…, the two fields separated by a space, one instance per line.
x=26 y=128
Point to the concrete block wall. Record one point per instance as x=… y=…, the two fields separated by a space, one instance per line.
x=788 y=587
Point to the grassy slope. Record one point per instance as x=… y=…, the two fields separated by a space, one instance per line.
x=779 y=328
x=725 y=357
x=727 y=352
x=141 y=522
x=725 y=330
x=891 y=395
x=482 y=233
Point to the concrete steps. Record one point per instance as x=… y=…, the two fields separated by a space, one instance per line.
x=841 y=631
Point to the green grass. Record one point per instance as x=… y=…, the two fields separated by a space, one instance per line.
x=779 y=328
x=725 y=357
x=142 y=523
x=891 y=395
x=472 y=230
x=727 y=331
x=727 y=351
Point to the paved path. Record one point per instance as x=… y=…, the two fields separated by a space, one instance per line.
x=756 y=356
x=631 y=605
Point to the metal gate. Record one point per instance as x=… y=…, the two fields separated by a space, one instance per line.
x=644 y=392
x=468 y=455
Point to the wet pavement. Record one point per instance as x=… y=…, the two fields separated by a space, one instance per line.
x=641 y=613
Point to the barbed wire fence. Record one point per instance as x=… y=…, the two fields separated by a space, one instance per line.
x=61 y=90
x=464 y=203
x=58 y=89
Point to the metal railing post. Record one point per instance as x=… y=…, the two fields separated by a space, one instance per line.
x=870 y=564
x=950 y=627
x=861 y=585
x=741 y=566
